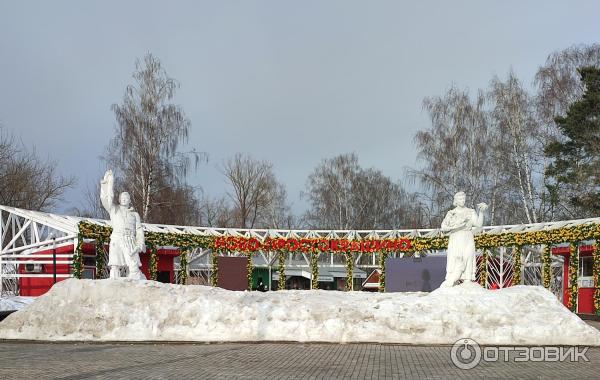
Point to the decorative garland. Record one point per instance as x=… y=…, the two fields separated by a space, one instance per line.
x=249 y=269
x=78 y=258
x=516 y=278
x=183 y=264
x=100 y=258
x=382 y=257
x=383 y=247
x=573 y=269
x=546 y=268
x=153 y=263
x=320 y=245
x=349 y=271
x=483 y=274
x=281 y=270
x=314 y=270
x=405 y=244
x=214 y=273
x=596 y=273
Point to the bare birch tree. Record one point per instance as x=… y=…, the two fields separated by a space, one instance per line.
x=258 y=198
x=216 y=212
x=517 y=131
x=145 y=150
x=457 y=153
x=343 y=195
x=329 y=190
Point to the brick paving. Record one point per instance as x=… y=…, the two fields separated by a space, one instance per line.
x=26 y=360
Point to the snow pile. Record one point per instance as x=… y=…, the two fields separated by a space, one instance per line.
x=125 y=310
x=15 y=303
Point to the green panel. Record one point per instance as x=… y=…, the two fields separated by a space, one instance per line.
x=260 y=273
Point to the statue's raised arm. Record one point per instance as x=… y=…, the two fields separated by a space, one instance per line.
x=107 y=194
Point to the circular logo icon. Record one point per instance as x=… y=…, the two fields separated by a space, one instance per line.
x=465 y=353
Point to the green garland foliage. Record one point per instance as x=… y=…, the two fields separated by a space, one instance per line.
x=281 y=270
x=314 y=270
x=382 y=257
x=153 y=262
x=183 y=265
x=573 y=270
x=517 y=252
x=100 y=258
x=249 y=269
x=78 y=258
x=349 y=270
x=546 y=267
x=483 y=273
x=214 y=273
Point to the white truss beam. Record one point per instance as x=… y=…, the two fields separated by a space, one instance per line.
x=24 y=231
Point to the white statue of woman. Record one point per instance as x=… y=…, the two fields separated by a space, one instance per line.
x=127 y=238
x=461 y=243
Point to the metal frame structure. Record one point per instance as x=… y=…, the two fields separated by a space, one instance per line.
x=24 y=232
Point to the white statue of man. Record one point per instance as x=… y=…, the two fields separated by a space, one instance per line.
x=127 y=238
x=461 y=243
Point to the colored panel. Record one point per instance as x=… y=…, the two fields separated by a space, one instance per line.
x=414 y=275
x=232 y=273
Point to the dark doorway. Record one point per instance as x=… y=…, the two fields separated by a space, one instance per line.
x=164 y=277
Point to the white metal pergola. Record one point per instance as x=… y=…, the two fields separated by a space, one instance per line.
x=25 y=232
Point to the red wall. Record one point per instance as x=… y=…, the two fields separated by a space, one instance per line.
x=585 y=297
x=38 y=286
x=165 y=262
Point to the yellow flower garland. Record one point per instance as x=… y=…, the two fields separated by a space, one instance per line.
x=517 y=252
x=573 y=269
x=546 y=266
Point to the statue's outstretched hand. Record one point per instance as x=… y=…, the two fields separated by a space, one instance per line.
x=108 y=177
x=482 y=207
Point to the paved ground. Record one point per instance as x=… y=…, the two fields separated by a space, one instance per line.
x=21 y=360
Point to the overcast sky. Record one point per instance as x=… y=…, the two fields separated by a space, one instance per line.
x=290 y=82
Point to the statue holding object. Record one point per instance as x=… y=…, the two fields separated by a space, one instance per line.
x=459 y=222
x=127 y=238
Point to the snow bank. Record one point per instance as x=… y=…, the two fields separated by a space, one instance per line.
x=15 y=303
x=125 y=310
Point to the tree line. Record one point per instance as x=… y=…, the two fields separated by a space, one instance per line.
x=532 y=154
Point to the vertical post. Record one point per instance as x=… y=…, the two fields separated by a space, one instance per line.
x=352 y=278
x=1 y=250
x=1 y=234
x=54 y=258
x=1 y=272
x=270 y=275
x=501 y=269
x=577 y=294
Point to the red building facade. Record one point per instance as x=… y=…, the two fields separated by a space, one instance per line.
x=41 y=276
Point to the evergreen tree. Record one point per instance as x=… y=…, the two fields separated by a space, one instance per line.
x=575 y=166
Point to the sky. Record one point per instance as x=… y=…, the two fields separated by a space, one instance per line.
x=289 y=82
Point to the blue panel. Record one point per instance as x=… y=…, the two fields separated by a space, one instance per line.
x=414 y=275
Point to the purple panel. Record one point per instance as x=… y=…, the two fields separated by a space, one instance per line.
x=414 y=275
x=232 y=273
